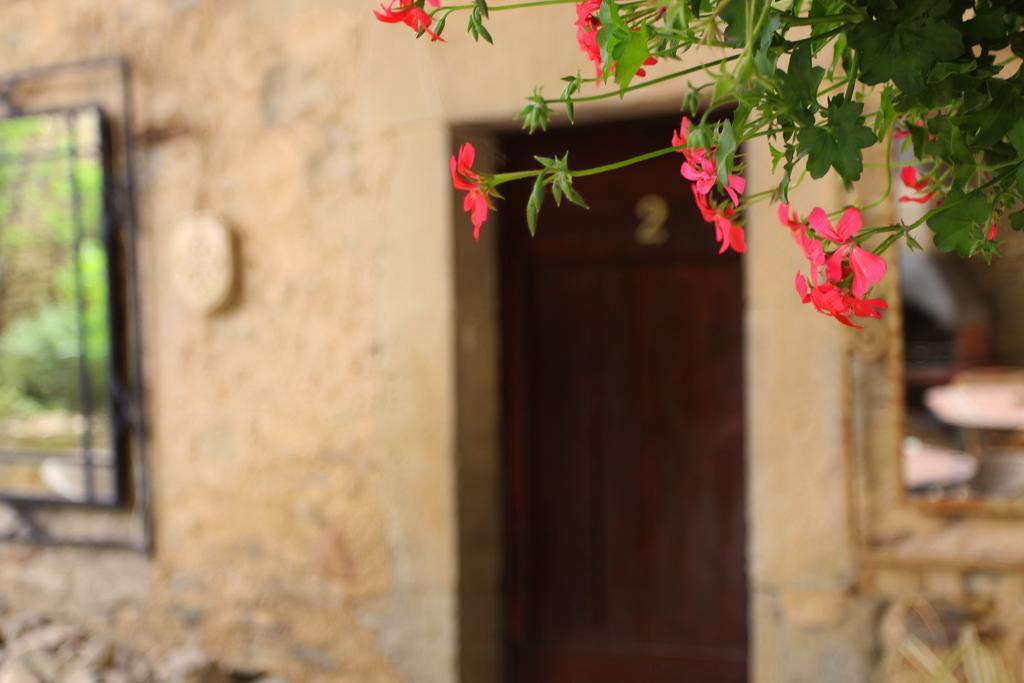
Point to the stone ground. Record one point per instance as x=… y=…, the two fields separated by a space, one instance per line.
x=38 y=648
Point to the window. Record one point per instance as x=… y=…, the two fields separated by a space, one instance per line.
x=62 y=426
x=963 y=446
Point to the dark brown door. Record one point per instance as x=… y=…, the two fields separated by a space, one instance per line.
x=623 y=388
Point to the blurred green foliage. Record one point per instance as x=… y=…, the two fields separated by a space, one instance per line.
x=53 y=298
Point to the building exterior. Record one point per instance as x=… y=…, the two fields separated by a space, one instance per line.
x=325 y=448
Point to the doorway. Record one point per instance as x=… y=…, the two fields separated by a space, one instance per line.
x=622 y=422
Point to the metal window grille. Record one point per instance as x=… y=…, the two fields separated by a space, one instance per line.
x=71 y=432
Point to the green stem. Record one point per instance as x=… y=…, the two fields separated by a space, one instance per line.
x=888 y=171
x=646 y=83
x=889 y=241
x=502 y=178
x=854 y=71
x=624 y=163
x=813 y=21
x=499 y=8
x=821 y=36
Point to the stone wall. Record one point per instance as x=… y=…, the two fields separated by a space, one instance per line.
x=307 y=444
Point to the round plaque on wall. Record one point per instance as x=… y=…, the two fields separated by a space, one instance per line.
x=202 y=263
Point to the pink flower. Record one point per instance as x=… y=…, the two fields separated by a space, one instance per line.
x=408 y=14
x=679 y=137
x=812 y=248
x=790 y=218
x=909 y=177
x=735 y=187
x=867 y=267
x=728 y=233
x=465 y=178
x=700 y=168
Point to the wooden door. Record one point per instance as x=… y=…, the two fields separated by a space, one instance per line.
x=623 y=425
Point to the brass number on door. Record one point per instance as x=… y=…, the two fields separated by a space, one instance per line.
x=652 y=210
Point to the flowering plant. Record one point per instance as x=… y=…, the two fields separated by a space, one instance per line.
x=822 y=80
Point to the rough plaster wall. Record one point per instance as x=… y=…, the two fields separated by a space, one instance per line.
x=809 y=622
x=303 y=440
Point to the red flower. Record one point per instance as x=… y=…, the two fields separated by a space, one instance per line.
x=993 y=232
x=909 y=177
x=650 y=61
x=408 y=14
x=867 y=267
x=728 y=234
x=834 y=297
x=831 y=300
x=465 y=178
x=587 y=24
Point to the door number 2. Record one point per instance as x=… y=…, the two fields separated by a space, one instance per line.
x=652 y=210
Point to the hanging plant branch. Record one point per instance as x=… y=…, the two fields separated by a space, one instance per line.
x=823 y=81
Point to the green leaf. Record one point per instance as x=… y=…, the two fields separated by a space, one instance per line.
x=987 y=27
x=691 y=100
x=536 y=112
x=1017 y=220
x=734 y=14
x=439 y=26
x=556 y=192
x=725 y=152
x=1020 y=179
x=571 y=194
x=944 y=70
x=799 y=86
x=476 y=22
x=886 y=113
x=486 y=34
x=993 y=122
x=838 y=143
x=904 y=42
x=961 y=223
x=1016 y=137
x=1017 y=43
x=572 y=86
x=630 y=57
x=533 y=206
